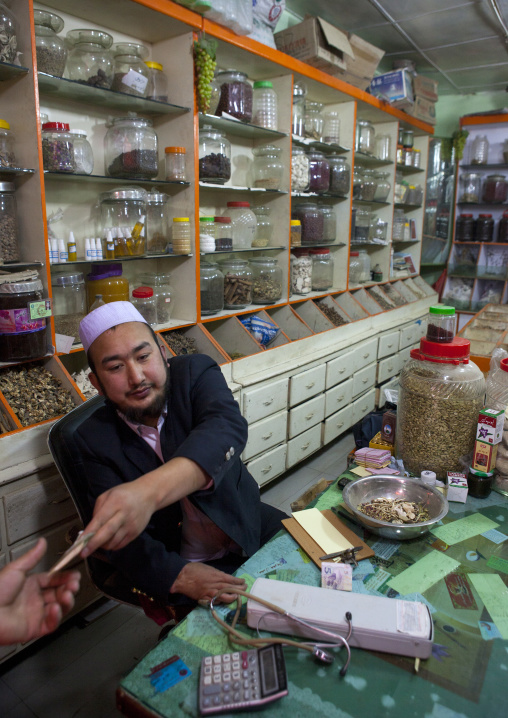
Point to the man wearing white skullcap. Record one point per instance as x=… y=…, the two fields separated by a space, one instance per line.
x=173 y=504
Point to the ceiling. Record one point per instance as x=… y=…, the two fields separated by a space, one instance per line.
x=459 y=43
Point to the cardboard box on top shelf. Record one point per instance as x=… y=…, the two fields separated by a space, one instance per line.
x=425 y=88
x=423 y=110
x=395 y=87
x=317 y=43
x=361 y=67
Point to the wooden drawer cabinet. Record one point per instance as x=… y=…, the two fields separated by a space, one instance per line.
x=265 y=433
x=36 y=507
x=362 y=406
x=365 y=354
x=388 y=344
x=388 y=367
x=410 y=335
x=306 y=415
x=269 y=465
x=307 y=384
x=338 y=397
x=265 y=400
x=57 y=545
x=337 y=423
x=303 y=445
x=339 y=369
x=364 y=379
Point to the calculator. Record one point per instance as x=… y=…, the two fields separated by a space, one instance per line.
x=245 y=680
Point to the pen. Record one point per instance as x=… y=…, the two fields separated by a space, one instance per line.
x=339 y=553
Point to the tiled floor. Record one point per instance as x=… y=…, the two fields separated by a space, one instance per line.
x=74 y=672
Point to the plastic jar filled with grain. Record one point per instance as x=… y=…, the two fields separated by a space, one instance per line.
x=319 y=173
x=329 y=223
x=9 y=243
x=266 y=280
x=69 y=302
x=211 y=286
x=322 y=269
x=50 y=49
x=235 y=95
x=300 y=175
x=20 y=336
x=7 y=158
x=441 y=393
x=301 y=271
x=264 y=229
x=267 y=167
x=312 y=221
x=340 y=175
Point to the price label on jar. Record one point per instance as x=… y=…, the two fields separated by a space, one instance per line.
x=135 y=81
x=41 y=309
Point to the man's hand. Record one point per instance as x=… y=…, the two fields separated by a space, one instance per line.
x=202 y=583
x=120 y=515
x=32 y=606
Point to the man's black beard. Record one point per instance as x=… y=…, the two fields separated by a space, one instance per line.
x=139 y=416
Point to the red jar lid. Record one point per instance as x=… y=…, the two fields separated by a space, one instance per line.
x=300 y=252
x=319 y=251
x=223 y=220
x=485 y=216
x=143 y=292
x=454 y=352
x=60 y=126
x=504 y=364
x=354 y=254
x=467 y=216
x=238 y=204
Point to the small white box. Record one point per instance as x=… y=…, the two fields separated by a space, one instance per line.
x=490 y=426
x=457 y=487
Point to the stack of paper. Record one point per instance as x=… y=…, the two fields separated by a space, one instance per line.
x=372 y=458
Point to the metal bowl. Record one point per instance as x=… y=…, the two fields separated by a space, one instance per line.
x=395 y=487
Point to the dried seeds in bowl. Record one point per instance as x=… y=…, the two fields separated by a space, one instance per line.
x=395 y=511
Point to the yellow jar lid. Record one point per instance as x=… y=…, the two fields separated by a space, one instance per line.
x=153 y=65
x=181 y=219
x=295 y=223
x=5 y=125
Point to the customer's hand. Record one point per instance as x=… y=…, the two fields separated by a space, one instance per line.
x=202 y=583
x=32 y=606
x=120 y=515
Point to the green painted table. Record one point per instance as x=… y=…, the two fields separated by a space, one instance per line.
x=466 y=675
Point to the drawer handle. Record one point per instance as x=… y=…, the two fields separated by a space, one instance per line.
x=364 y=381
x=265 y=471
x=267 y=403
x=389 y=346
x=265 y=438
x=340 y=398
x=342 y=370
x=59 y=501
x=309 y=386
x=309 y=416
x=390 y=368
x=364 y=408
x=305 y=446
x=366 y=356
x=339 y=425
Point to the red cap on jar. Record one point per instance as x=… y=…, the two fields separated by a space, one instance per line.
x=354 y=254
x=485 y=216
x=504 y=364
x=454 y=352
x=300 y=251
x=238 y=204
x=468 y=216
x=56 y=126
x=143 y=293
x=223 y=220
x=319 y=251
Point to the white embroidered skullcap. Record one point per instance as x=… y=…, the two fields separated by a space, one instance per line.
x=105 y=317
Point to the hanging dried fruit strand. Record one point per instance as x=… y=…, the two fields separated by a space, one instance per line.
x=204 y=68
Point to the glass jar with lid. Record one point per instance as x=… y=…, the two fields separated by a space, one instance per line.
x=340 y=175
x=484 y=231
x=400 y=189
x=83 y=154
x=131 y=148
x=399 y=222
x=266 y=280
x=9 y=241
x=331 y=127
x=157 y=223
x=295 y=233
x=214 y=156
x=163 y=292
x=313 y=120
x=470 y=183
x=357 y=182
x=50 y=49
x=244 y=224
x=9 y=35
x=480 y=150
x=322 y=269
x=235 y=95
x=319 y=172
x=106 y=280
x=211 y=286
x=362 y=226
x=369 y=186
x=300 y=175
x=355 y=269
x=157 y=88
x=206 y=235
x=123 y=212
x=408 y=139
x=144 y=301
x=7 y=157
x=181 y=239
x=223 y=234
x=301 y=271
x=441 y=323
x=329 y=223
x=365 y=266
x=495 y=189
x=20 y=336
x=502 y=233
x=237 y=283
x=130 y=74
x=312 y=221
x=382 y=147
x=437 y=384
x=69 y=302
x=90 y=59
x=57 y=148
x=175 y=164
x=365 y=135
x=298 y=113
x=464 y=228
x=264 y=112
x=383 y=186
x=267 y=167
x=378 y=230
x=264 y=228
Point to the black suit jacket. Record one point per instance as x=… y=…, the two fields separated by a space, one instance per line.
x=203 y=424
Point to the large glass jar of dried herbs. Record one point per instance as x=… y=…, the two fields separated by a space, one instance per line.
x=441 y=393
x=50 y=49
x=8 y=36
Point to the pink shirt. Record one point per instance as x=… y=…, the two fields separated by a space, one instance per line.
x=202 y=540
